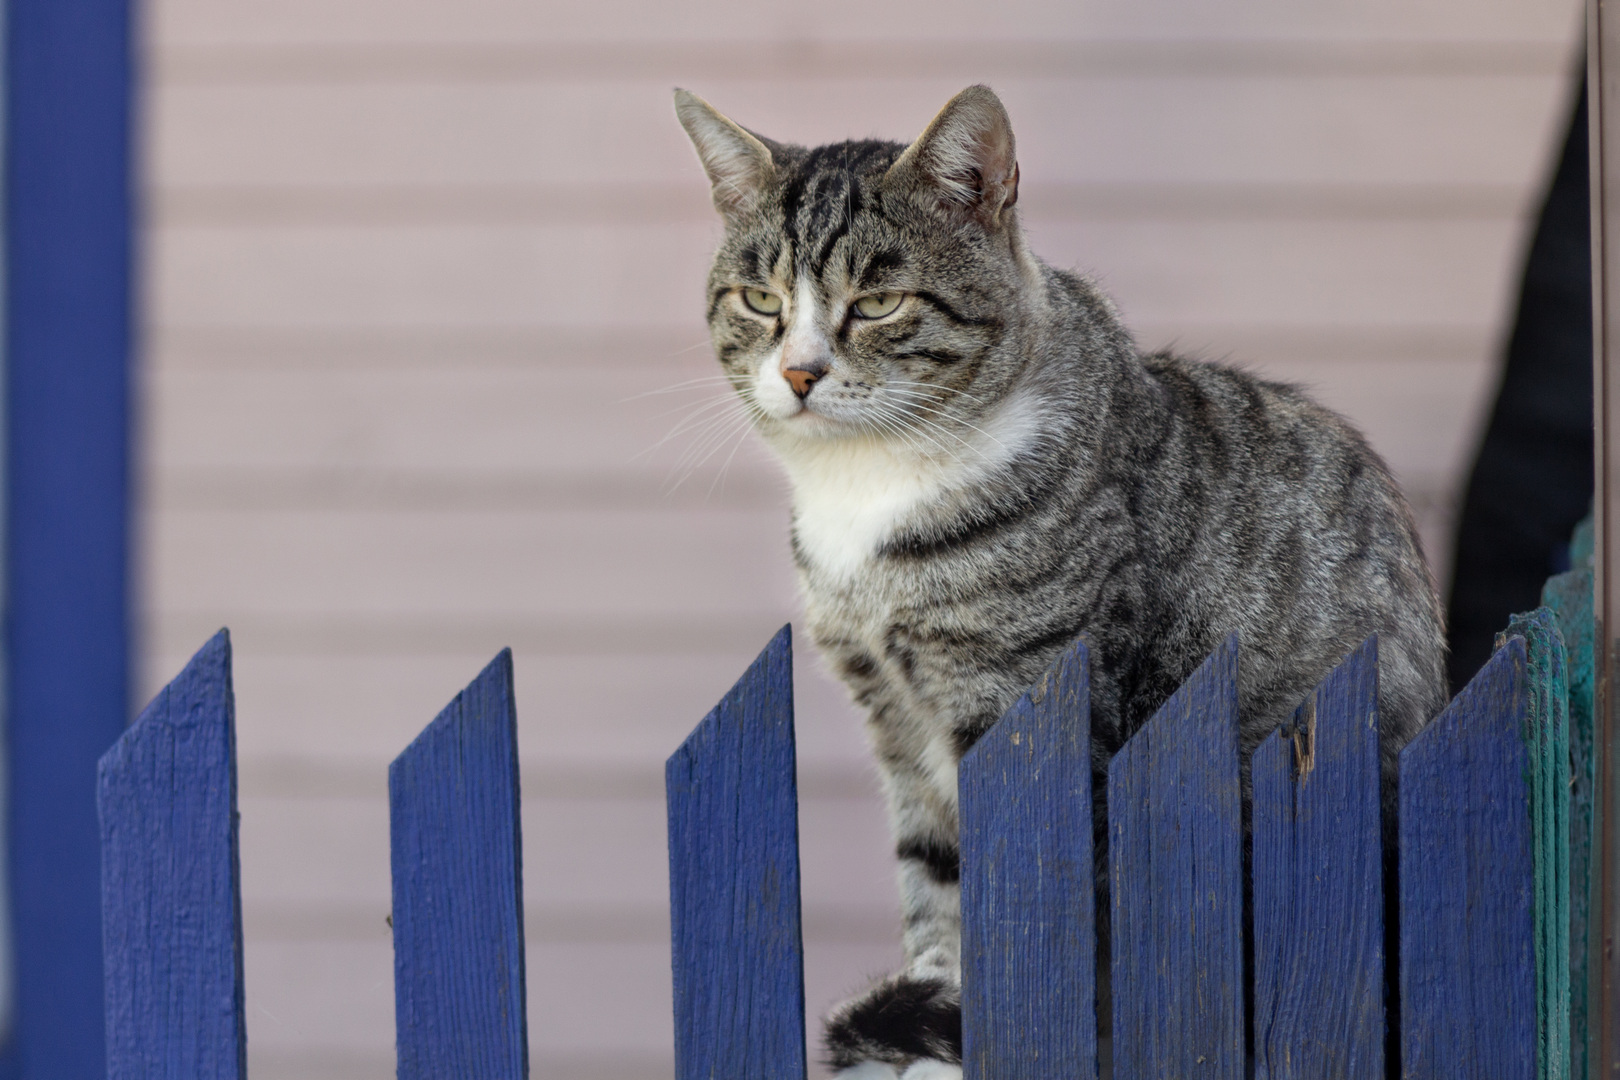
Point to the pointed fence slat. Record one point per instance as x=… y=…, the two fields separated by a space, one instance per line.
x=1029 y=1008
x=1318 y=885
x=1467 y=957
x=171 y=897
x=458 y=890
x=737 y=952
x=1176 y=877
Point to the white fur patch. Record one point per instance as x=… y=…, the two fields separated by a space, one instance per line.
x=929 y=1069
x=803 y=340
x=850 y=495
x=870 y=1070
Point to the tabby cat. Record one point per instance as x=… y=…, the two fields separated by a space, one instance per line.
x=984 y=465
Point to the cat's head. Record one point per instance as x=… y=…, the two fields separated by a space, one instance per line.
x=868 y=289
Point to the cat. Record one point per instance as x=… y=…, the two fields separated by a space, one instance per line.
x=984 y=465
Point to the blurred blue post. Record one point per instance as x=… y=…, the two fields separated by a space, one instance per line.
x=67 y=347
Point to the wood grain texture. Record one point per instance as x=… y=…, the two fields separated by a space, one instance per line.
x=1175 y=835
x=171 y=904
x=1467 y=955
x=1569 y=596
x=1318 y=885
x=457 y=852
x=1546 y=741
x=1029 y=938
x=736 y=945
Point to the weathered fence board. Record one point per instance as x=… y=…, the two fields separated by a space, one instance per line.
x=1318 y=885
x=1468 y=975
x=171 y=898
x=458 y=890
x=737 y=947
x=1176 y=877
x=1546 y=740
x=1569 y=596
x=1029 y=1008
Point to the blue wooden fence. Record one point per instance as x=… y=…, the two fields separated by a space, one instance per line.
x=1278 y=969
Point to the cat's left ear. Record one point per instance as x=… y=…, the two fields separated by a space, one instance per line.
x=966 y=156
x=739 y=165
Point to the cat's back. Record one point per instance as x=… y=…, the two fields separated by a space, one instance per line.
x=1268 y=513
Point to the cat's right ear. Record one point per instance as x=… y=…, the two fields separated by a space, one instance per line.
x=738 y=164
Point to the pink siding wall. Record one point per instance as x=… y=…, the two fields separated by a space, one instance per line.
x=411 y=261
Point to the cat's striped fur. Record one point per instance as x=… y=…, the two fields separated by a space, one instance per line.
x=993 y=468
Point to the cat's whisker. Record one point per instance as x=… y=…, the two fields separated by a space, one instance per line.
x=697 y=407
x=742 y=437
x=914 y=384
x=896 y=421
x=695 y=419
x=882 y=425
x=720 y=435
x=690 y=385
x=943 y=430
x=965 y=423
x=703 y=441
x=703 y=434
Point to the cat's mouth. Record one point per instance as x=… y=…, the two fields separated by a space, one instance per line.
x=808 y=420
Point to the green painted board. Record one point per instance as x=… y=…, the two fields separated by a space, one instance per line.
x=1546 y=738
x=1569 y=597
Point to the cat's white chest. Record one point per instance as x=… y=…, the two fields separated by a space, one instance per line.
x=848 y=500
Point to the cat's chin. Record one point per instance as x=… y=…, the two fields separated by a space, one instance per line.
x=810 y=426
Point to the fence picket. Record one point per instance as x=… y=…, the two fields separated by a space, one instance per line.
x=458 y=890
x=1546 y=739
x=1029 y=1009
x=737 y=952
x=1468 y=975
x=1318 y=885
x=1176 y=878
x=1569 y=596
x=170 y=895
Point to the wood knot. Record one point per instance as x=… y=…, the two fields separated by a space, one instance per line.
x=1305 y=739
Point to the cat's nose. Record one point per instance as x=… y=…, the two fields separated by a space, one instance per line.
x=802 y=378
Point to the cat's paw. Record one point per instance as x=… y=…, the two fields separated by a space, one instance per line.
x=927 y=1069
x=868 y=1070
x=909 y=1025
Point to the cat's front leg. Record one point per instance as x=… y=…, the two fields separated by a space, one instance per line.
x=909 y=1025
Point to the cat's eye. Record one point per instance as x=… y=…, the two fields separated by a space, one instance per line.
x=878 y=304
x=765 y=303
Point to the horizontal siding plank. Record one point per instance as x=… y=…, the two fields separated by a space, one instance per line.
x=872 y=926
x=1307 y=272
x=351 y=1064
x=578 y=421
x=1095 y=127
x=578 y=712
x=587 y=565
x=407 y=636
x=652 y=349
x=580 y=853
x=332 y=777
x=1492 y=21
x=296 y=205
x=539 y=438
x=603 y=1001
